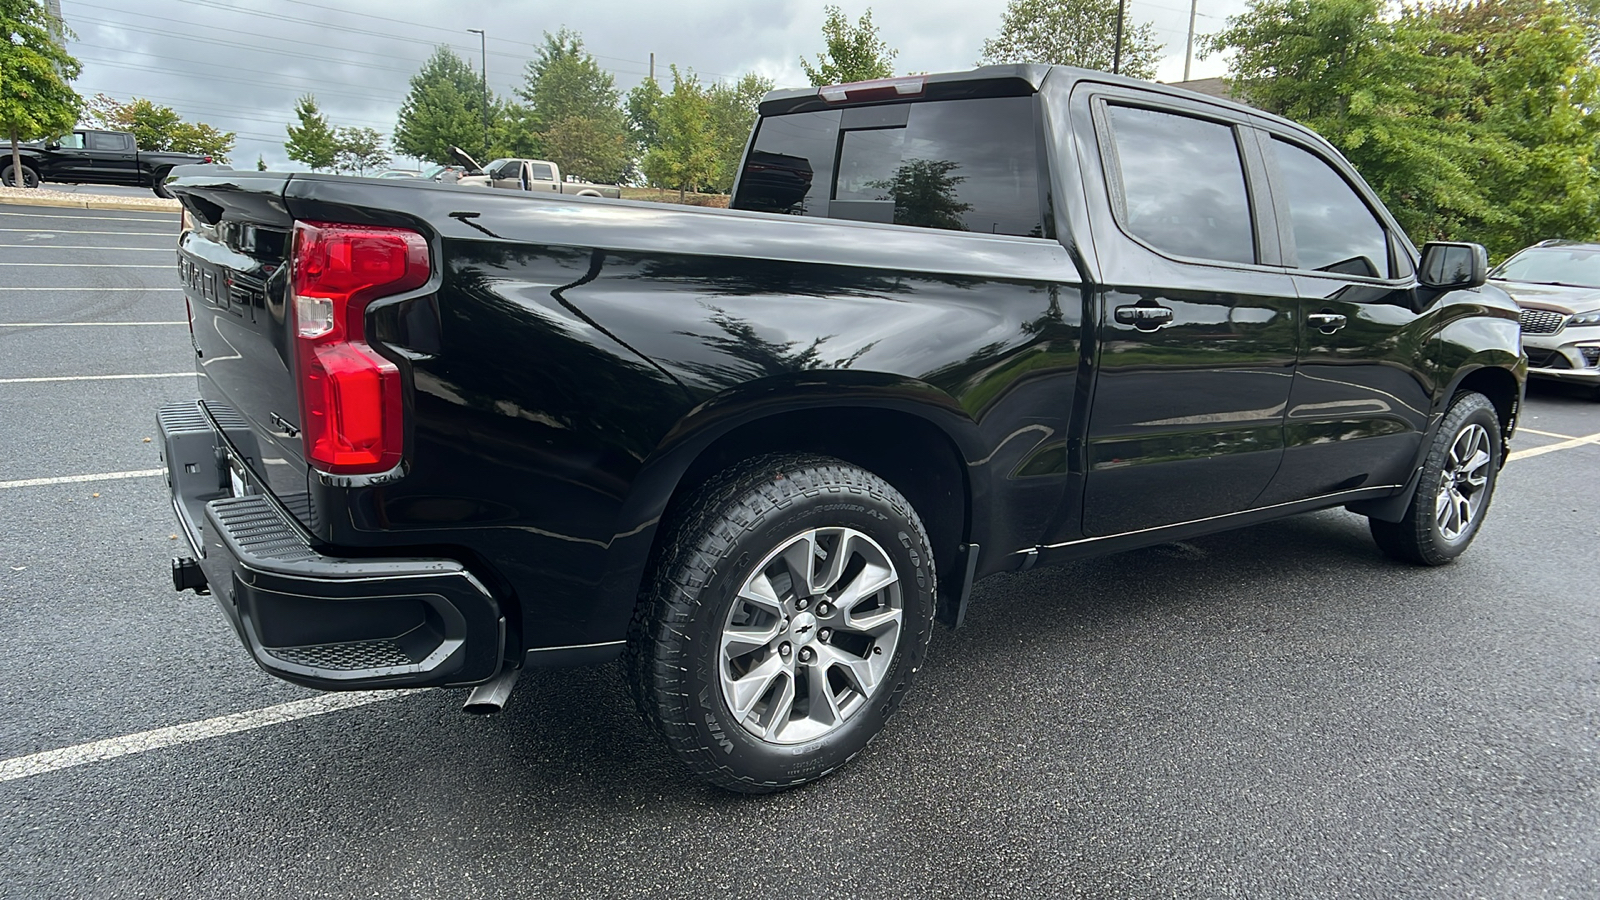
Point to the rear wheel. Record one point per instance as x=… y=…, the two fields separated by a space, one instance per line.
x=786 y=617
x=159 y=184
x=1453 y=493
x=8 y=177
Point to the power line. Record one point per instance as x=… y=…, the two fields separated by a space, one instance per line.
x=322 y=5
x=212 y=76
x=256 y=48
x=189 y=25
x=237 y=112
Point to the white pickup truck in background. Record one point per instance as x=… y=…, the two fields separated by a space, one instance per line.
x=528 y=175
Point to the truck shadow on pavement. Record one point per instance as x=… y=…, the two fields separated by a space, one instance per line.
x=1088 y=700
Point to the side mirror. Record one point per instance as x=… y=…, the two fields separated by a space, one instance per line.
x=1446 y=265
x=52 y=145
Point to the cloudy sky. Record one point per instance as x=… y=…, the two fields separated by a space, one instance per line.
x=240 y=64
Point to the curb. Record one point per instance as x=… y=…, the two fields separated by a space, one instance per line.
x=66 y=201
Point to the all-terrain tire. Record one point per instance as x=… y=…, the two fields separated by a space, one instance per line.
x=721 y=538
x=1434 y=530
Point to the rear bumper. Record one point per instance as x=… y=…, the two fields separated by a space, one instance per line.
x=321 y=620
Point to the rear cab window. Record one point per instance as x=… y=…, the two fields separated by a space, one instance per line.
x=960 y=165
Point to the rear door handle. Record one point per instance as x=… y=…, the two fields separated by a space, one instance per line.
x=1326 y=322
x=1144 y=318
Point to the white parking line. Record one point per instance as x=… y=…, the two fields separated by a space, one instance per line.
x=82 y=324
x=156 y=739
x=81 y=247
x=145 y=219
x=79 y=479
x=56 y=231
x=91 y=265
x=5 y=287
x=95 y=378
x=1593 y=439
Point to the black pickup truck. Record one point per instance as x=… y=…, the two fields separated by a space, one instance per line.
x=954 y=325
x=95 y=157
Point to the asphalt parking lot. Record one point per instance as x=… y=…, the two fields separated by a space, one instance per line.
x=1276 y=712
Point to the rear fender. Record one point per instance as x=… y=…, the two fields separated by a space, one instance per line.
x=660 y=478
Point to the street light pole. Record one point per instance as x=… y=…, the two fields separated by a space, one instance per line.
x=483 y=55
x=1116 y=54
x=1188 y=53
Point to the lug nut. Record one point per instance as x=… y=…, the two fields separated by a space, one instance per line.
x=784 y=649
x=823 y=609
x=801 y=604
x=807 y=654
x=825 y=634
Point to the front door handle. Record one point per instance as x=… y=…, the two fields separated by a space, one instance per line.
x=1144 y=318
x=1326 y=322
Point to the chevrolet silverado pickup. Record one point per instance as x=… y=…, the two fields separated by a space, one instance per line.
x=94 y=157
x=954 y=325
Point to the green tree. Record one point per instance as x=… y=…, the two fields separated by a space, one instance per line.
x=855 y=52
x=1473 y=121
x=157 y=127
x=198 y=137
x=1537 y=89
x=359 y=149
x=313 y=142
x=261 y=163
x=685 y=155
x=572 y=115
x=1072 y=33
x=36 y=97
x=584 y=147
x=444 y=108
x=732 y=109
x=641 y=106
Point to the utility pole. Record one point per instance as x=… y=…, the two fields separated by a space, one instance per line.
x=483 y=55
x=652 y=67
x=1116 y=55
x=1188 y=52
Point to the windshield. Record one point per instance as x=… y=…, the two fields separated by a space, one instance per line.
x=1575 y=266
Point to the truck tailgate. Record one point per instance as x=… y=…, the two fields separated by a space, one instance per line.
x=232 y=264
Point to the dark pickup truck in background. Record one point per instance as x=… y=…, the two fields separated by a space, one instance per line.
x=96 y=157
x=954 y=325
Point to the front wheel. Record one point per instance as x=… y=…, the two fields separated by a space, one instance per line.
x=784 y=622
x=8 y=177
x=1453 y=493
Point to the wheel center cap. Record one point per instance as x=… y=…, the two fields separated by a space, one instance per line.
x=804 y=628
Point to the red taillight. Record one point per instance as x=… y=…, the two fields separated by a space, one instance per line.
x=352 y=414
x=208 y=159
x=881 y=89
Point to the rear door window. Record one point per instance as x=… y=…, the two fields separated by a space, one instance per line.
x=1182 y=184
x=960 y=165
x=102 y=141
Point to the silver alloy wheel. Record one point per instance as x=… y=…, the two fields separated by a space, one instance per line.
x=1462 y=482
x=810 y=635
